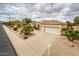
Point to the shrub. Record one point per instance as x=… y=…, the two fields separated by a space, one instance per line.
x=36 y=26
x=70 y=33
x=26 y=21
x=10 y=24
x=17 y=23
x=26 y=30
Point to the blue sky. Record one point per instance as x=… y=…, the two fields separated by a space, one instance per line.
x=39 y=11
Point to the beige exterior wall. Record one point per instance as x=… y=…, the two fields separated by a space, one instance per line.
x=76 y=28
x=58 y=26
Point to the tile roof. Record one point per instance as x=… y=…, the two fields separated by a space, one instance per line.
x=51 y=22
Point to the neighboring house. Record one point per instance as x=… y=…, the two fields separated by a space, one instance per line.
x=52 y=26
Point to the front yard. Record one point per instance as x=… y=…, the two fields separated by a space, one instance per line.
x=38 y=43
x=35 y=45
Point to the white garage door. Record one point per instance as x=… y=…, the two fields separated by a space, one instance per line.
x=52 y=30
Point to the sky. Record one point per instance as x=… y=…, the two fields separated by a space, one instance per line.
x=39 y=11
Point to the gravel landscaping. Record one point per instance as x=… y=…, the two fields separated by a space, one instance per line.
x=61 y=47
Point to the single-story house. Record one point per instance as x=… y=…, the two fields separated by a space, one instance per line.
x=52 y=26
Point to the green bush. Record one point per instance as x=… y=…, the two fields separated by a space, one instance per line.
x=24 y=25
x=17 y=23
x=70 y=33
x=26 y=30
x=26 y=21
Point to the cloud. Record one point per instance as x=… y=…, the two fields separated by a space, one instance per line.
x=59 y=11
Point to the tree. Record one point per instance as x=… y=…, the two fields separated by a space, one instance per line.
x=76 y=20
x=26 y=21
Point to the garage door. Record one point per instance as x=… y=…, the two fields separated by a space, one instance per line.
x=52 y=30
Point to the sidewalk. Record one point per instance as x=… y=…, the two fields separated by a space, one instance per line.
x=33 y=46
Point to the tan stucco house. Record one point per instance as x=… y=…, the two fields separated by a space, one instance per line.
x=52 y=26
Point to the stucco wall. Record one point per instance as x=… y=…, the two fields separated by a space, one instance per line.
x=58 y=26
x=76 y=28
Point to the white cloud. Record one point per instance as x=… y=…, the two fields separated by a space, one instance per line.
x=60 y=11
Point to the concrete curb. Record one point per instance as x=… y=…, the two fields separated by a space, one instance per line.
x=5 y=28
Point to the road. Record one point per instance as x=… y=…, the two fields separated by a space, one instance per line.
x=6 y=48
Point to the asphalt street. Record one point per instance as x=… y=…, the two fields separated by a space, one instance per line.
x=6 y=48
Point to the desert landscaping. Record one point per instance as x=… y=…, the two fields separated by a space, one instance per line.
x=39 y=30
x=32 y=41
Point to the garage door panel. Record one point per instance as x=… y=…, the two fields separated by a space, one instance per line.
x=52 y=30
